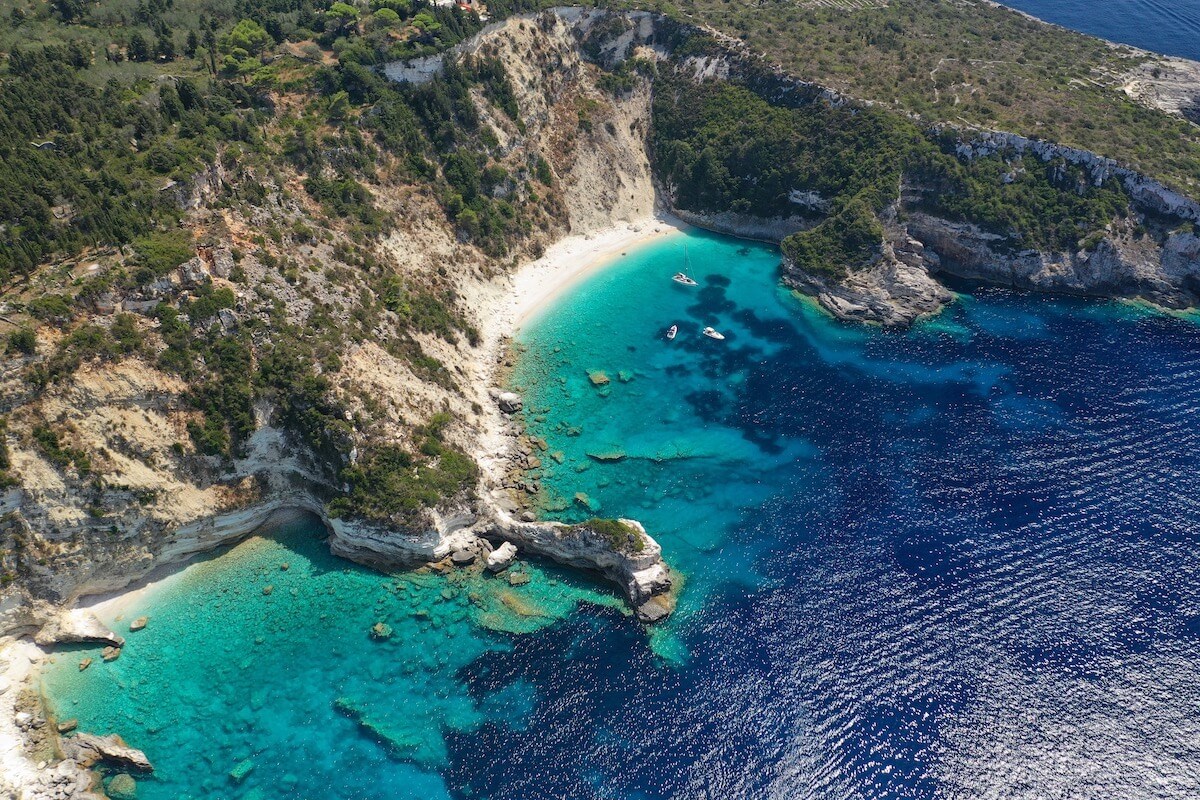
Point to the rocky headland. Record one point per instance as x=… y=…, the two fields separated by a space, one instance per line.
x=162 y=500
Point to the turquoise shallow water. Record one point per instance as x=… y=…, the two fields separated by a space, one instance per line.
x=225 y=674
x=959 y=561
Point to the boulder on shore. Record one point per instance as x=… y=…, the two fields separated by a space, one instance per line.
x=87 y=749
x=462 y=557
x=502 y=557
x=509 y=402
x=75 y=626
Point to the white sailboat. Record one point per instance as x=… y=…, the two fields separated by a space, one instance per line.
x=682 y=277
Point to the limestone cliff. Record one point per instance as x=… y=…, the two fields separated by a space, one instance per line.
x=107 y=481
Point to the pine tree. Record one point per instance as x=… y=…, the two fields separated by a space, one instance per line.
x=139 y=50
x=193 y=41
x=210 y=42
x=165 y=47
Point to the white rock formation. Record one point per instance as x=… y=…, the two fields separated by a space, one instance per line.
x=502 y=557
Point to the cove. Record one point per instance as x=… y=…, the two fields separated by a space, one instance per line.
x=958 y=561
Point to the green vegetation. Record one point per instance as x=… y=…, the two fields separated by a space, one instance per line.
x=159 y=253
x=620 y=536
x=61 y=456
x=69 y=177
x=6 y=478
x=722 y=147
x=966 y=62
x=23 y=341
x=847 y=240
x=392 y=482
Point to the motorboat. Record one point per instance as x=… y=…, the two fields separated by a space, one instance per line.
x=672 y=331
x=680 y=277
x=713 y=333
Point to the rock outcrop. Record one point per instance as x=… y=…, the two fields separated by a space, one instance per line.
x=75 y=626
x=87 y=750
x=638 y=570
x=502 y=557
x=66 y=780
x=895 y=291
x=1166 y=273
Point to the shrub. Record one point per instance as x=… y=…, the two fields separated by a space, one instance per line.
x=622 y=537
x=22 y=340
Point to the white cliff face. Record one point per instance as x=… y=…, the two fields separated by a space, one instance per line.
x=393 y=546
x=1167 y=274
x=160 y=504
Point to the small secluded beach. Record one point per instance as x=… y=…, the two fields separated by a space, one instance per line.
x=897 y=546
x=508 y=302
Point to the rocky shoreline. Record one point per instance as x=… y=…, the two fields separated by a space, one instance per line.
x=487 y=532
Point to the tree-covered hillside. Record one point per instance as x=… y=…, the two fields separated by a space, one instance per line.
x=139 y=139
x=969 y=63
x=720 y=147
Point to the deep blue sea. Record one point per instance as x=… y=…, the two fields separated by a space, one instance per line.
x=961 y=561
x=1164 y=26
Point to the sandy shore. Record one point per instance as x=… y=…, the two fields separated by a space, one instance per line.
x=506 y=304
x=21 y=659
x=503 y=306
x=569 y=261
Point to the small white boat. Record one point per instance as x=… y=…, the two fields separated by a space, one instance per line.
x=672 y=331
x=713 y=333
x=680 y=277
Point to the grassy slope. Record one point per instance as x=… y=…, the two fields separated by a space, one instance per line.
x=969 y=63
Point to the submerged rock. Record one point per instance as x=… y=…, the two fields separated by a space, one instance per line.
x=87 y=662
x=518 y=578
x=241 y=770
x=400 y=743
x=122 y=787
x=111 y=653
x=381 y=631
x=138 y=623
x=67 y=725
x=582 y=498
x=598 y=378
x=608 y=455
